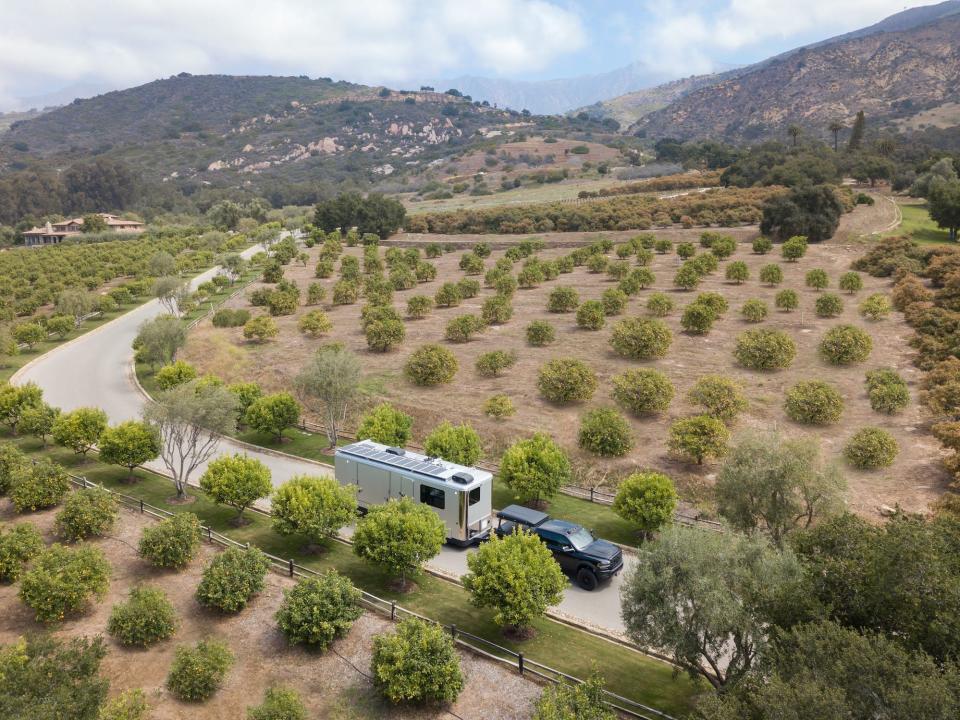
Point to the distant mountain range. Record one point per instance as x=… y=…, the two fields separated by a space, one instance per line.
x=893 y=70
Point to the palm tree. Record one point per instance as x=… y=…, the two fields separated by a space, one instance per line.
x=794 y=132
x=835 y=127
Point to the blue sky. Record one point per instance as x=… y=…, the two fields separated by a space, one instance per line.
x=96 y=45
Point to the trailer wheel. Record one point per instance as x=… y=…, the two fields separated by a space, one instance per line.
x=587 y=579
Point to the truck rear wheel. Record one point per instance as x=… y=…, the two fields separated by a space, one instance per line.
x=587 y=579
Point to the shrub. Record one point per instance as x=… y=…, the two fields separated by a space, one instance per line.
x=79 y=429
x=813 y=402
x=498 y=407
x=39 y=485
x=641 y=339
x=722 y=397
x=236 y=480
x=197 y=672
x=128 y=705
x=643 y=391
x=715 y=301
x=685 y=250
x=596 y=263
x=260 y=328
x=534 y=468
x=279 y=703
x=506 y=285
x=90 y=512
x=699 y=438
x=491 y=364
x=659 y=304
x=845 y=345
x=12 y=462
x=754 y=310
x=566 y=380
x=273 y=414
x=662 y=245
x=647 y=500
x=794 y=248
x=384 y=335
x=688 y=276
x=705 y=263
x=399 y=536
x=614 y=301
x=618 y=270
x=387 y=425
x=314 y=506
x=738 y=272
x=61 y=581
x=817 y=279
x=319 y=609
x=431 y=365
x=171 y=543
x=638 y=279
x=887 y=390
x=18 y=545
x=828 y=305
x=226 y=317
x=787 y=300
x=697 y=318
x=909 y=290
x=765 y=350
x=417 y=663
x=471 y=264
x=455 y=443
x=496 y=310
x=463 y=327
x=771 y=274
x=283 y=302
x=875 y=307
x=605 y=432
x=563 y=299
x=232 y=578
x=762 y=245
x=723 y=247
x=540 y=333
x=145 y=618
x=315 y=323
x=419 y=306
x=315 y=293
x=851 y=282
x=590 y=315
x=871 y=448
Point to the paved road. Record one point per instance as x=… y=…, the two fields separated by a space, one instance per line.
x=96 y=370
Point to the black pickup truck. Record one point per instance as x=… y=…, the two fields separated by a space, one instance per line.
x=587 y=559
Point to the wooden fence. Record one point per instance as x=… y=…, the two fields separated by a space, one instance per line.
x=389 y=608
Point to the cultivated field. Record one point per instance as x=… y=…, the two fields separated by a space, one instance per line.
x=913 y=481
x=330 y=684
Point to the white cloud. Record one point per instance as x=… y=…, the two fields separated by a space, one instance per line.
x=688 y=36
x=47 y=44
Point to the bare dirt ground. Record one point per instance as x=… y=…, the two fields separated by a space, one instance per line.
x=912 y=482
x=330 y=685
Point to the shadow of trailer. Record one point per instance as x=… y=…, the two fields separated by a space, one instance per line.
x=460 y=495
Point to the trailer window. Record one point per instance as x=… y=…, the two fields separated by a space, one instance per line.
x=475 y=496
x=433 y=497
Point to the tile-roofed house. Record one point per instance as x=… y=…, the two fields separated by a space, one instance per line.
x=54 y=233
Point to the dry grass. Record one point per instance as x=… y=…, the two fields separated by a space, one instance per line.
x=912 y=482
x=332 y=685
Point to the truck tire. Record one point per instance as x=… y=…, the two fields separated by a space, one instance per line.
x=587 y=579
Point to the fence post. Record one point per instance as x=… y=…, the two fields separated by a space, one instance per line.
x=209 y=534
x=591 y=494
x=141 y=506
x=453 y=632
x=290 y=564
x=393 y=610
x=520 y=662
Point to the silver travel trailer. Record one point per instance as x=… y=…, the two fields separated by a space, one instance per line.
x=460 y=495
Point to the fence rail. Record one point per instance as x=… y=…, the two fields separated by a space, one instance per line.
x=686 y=514
x=389 y=608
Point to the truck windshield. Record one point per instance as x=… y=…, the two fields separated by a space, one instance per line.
x=580 y=538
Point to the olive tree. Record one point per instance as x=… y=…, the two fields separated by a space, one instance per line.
x=158 y=340
x=777 y=485
x=332 y=378
x=189 y=420
x=518 y=577
x=705 y=599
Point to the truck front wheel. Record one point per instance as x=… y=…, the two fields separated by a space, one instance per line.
x=587 y=579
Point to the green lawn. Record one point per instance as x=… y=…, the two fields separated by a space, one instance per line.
x=918 y=225
x=628 y=673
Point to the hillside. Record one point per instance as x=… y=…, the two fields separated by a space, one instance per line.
x=902 y=65
x=225 y=131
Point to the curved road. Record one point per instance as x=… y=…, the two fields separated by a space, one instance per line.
x=96 y=370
